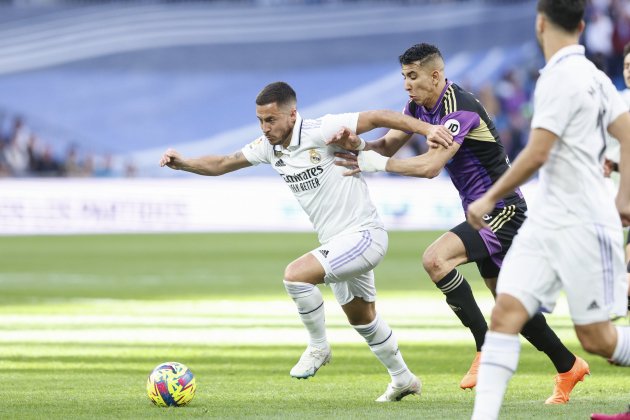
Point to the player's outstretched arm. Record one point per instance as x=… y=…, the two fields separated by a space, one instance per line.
x=387 y=145
x=427 y=165
x=369 y=120
x=210 y=165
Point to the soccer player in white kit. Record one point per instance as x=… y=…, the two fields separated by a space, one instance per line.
x=573 y=237
x=353 y=240
x=612 y=165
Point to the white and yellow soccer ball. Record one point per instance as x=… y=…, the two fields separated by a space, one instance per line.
x=171 y=384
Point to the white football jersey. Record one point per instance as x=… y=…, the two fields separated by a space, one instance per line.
x=577 y=102
x=612 y=144
x=335 y=204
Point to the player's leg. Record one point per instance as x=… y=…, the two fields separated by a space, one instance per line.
x=461 y=244
x=527 y=282
x=499 y=356
x=440 y=261
x=362 y=315
x=571 y=369
x=300 y=280
x=349 y=263
x=596 y=287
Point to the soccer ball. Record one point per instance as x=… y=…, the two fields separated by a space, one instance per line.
x=171 y=384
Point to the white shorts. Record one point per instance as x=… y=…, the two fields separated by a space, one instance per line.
x=349 y=260
x=586 y=261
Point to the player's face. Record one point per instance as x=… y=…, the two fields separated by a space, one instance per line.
x=276 y=122
x=421 y=84
x=626 y=70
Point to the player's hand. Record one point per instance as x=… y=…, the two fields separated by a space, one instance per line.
x=609 y=167
x=439 y=136
x=345 y=138
x=350 y=161
x=172 y=159
x=623 y=207
x=477 y=210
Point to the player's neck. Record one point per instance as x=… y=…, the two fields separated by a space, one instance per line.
x=557 y=41
x=437 y=94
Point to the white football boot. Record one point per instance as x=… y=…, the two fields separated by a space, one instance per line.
x=394 y=393
x=311 y=360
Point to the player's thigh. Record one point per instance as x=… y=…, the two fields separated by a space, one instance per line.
x=349 y=256
x=348 y=262
x=527 y=273
x=592 y=268
x=448 y=250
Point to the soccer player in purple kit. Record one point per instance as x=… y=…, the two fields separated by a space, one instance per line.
x=474 y=161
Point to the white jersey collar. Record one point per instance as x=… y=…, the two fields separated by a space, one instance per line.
x=561 y=54
x=296 y=137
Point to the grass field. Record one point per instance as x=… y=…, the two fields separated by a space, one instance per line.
x=84 y=319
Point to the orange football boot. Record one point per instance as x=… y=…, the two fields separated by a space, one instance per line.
x=565 y=382
x=469 y=380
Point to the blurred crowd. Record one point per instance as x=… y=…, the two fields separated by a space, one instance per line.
x=607 y=31
x=23 y=154
x=508 y=100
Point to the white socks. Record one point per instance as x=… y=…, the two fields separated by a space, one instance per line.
x=383 y=344
x=310 y=306
x=499 y=359
x=621 y=355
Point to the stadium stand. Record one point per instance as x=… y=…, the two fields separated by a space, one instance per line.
x=116 y=82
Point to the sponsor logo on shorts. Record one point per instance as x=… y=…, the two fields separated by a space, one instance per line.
x=324 y=252
x=593 y=306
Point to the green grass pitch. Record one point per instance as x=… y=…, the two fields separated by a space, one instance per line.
x=84 y=319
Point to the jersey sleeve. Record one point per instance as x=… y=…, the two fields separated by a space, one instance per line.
x=257 y=151
x=331 y=123
x=552 y=110
x=460 y=123
x=616 y=103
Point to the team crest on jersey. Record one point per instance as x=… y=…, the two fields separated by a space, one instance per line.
x=315 y=156
x=255 y=143
x=453 y=126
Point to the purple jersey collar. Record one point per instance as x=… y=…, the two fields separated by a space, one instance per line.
x=437 y=105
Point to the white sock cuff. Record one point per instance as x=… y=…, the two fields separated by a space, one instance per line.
x=298 y=289
x=501 y=341
x=376 y=333
x=621 y=355
x=368 y=328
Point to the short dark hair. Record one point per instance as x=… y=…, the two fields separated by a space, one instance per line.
x=626 y=50
x=565 y=13
x=419 y=52
x=278 y=92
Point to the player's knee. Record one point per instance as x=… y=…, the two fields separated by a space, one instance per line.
x=433 y=262
x=363 y=318
x=293 y=272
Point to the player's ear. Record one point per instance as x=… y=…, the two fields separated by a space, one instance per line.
x=540 y=23
x=435 y=76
